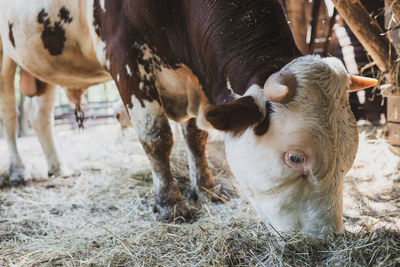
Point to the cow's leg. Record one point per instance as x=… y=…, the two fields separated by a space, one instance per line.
x=8 y=108
x=39 y=110
x=155 y=136
x=137 y=86
x=196 y=140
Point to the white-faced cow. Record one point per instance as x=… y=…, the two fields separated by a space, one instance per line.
x=226 y=65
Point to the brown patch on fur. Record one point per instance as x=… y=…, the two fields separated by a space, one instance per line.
x=234 y=117
x=64 y=14
x=42 y=16
x=196 y=141
x=10 y=33
x=53 y=37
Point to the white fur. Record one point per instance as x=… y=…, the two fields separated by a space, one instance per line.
x=147 y=53
x=128 y=70
x=101 y=52
x=258 y=94
x=228 y=84
x=142 y=118
x=102 y=5
x=39 y=111
x=257 y=163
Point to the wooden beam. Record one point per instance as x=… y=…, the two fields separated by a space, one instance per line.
x=368 y=33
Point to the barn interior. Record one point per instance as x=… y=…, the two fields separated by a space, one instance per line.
x=102 y=214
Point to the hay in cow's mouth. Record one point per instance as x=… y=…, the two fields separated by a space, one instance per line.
x=104 y=216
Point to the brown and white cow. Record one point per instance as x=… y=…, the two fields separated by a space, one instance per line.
x=226 y=65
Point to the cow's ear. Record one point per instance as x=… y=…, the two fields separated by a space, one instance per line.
x=234 y=117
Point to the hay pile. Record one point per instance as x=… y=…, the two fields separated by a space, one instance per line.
x=104 y=216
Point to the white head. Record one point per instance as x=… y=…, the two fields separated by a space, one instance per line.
x=291 y=156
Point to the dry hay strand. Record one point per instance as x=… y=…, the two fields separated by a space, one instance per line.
x=104 y=216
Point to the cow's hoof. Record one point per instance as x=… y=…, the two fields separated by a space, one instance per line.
x=17 y=177
x=177 y=213
x=3 y=181
x=62 y=173
x=170 y=205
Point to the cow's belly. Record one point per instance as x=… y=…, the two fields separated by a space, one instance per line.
x=53 y=40
x=180 y=93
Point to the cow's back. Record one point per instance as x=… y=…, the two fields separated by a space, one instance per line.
x=54 y=40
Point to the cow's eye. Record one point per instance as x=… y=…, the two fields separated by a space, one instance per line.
x=296 y=159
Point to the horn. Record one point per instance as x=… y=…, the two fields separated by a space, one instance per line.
x=280 y=87
x=359 y=83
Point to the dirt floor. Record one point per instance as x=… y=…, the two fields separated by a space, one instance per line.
x=103 y=215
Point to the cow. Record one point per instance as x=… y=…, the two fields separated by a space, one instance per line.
x=231 y=66
x=122 y=115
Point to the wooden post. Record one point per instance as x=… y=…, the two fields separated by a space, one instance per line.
x=368 y=33
x=297 y=12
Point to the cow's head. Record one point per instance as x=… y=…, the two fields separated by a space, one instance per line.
x=291 y=143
